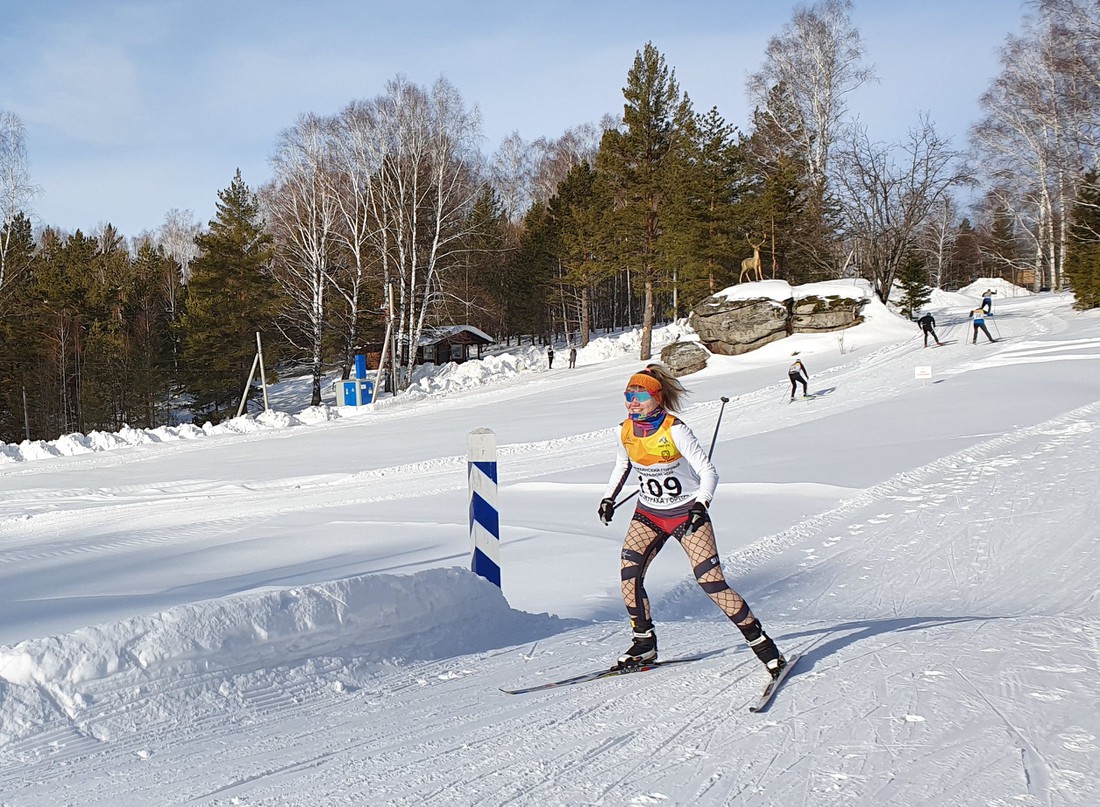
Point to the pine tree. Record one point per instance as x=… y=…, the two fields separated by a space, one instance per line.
x=528 y=276
x=913 y=280
x=67 y=306
x=106 y=393
x=489 y=283
x=778 y=202
x=1002 y=242
x=1082 y=264
x=966 y=256
x=231 y=297
x=469 y=297
x=580 y=213
x=636 y=166
x=704 y=242
x=16 y=353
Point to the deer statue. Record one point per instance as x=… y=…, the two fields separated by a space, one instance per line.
x=750 y=265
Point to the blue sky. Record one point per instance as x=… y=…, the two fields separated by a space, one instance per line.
x=134 y=108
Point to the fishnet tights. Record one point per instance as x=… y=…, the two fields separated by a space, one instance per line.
x=699 y=546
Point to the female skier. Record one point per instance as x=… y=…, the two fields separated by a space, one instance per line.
x=676 y=484
x=797 y=373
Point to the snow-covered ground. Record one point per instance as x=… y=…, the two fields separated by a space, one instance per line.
x=277 y=610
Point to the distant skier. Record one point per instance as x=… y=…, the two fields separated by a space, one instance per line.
x=798 y=374
x=572 y=357
x=927 y=324
x=550 y=356
x=978 y=315
x=676 y=483
x=987 y=300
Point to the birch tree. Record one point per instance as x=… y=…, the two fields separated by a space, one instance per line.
x=937 y=237
x=553 y=159
x=302 y=214
x=428 y=186
x=817 y=59
x=16 y=190
x=176 y=236
x=358 y=150
x=1038 y=134
x=511 y=171
x=888 y=194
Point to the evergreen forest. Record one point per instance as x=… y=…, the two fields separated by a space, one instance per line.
x=384 y=221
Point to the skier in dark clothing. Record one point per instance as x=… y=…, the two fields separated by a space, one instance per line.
x=798 y=374
x=550 y=356
x=987 y=300
x=927 y=324
x=978 y=315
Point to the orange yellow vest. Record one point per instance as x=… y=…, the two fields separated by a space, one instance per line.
x=666 y=479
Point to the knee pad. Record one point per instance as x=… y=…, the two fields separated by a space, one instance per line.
x=634 y=562
x=700 y=571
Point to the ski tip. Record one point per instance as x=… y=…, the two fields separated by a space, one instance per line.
x=765 y=700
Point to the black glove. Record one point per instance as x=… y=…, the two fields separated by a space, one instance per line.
x=607 y=510
x=698 y=516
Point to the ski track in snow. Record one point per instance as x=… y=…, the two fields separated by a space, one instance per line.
x=946 y=663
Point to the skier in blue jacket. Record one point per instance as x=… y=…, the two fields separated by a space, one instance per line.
x=978 y=315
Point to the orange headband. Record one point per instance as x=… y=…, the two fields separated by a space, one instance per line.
x=646 y=382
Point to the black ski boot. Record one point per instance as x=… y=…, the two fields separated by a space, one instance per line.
x=644 y=648
x=763 y=647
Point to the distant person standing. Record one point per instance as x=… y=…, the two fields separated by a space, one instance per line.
x=550 y=356
x=978 y=315
x=798 y=374
x=572 y=357
x=927 y=324
x=987 y=300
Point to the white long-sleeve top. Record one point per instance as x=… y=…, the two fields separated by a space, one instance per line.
x=673 y=470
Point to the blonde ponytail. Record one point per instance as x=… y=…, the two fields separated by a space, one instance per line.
x=673 y=393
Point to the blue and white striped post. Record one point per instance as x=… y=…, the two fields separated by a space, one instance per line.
x=484 y=520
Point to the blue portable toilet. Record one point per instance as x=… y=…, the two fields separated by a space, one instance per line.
x=366 y=391
x=365 y=387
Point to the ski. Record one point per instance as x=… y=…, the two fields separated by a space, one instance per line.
x=607 y=673
x=773 y=685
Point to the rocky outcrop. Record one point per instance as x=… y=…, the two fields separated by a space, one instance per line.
x=684 y=358
x=748 y=316
x=818 y=314
x=733 y=327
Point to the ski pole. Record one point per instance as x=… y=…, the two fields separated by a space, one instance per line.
x=995 y=326
x=717 y=423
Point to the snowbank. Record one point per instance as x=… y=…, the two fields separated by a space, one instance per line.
x=781 y=290
x=998 y=285
x=379 y=618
